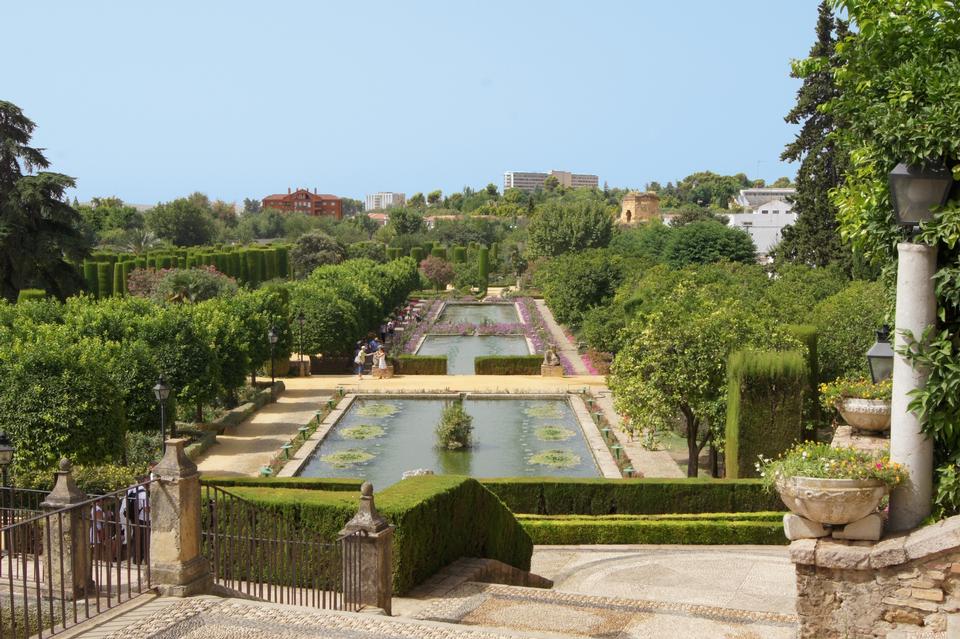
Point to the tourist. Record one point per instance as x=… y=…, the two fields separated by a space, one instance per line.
x=383 y=332
x=381 y=359
x=360 y=360
x=391 y=327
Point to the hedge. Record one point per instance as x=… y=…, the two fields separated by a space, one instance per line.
x=417 y=254
x=459 y=254
x=438 y=519
x=507 y=365
x=718 y=529
x=439 y=251
x=301 y=483
x=764 y=407
x=420 y=364
x=558 y=496
x=27 y=294
x=808 y=335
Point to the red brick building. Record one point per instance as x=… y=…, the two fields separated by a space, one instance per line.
x=304 y=201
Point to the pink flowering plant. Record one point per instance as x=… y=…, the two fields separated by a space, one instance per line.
x=822 y=461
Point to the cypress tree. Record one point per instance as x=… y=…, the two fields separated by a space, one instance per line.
x=814 y=239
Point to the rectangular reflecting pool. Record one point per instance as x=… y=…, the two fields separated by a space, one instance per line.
x=461 y=350
x=479 y=313
x=377 y=439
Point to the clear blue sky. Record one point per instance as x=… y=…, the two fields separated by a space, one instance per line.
x=150 y=101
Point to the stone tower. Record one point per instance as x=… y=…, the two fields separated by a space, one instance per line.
x=639 y=207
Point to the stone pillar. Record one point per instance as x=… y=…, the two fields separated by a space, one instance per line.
x=916 y=310
x=376 y=565
x=178 y=569
x=69 y=537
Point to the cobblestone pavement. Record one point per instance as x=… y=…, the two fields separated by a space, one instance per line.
x=208 y=618
x=572 y=614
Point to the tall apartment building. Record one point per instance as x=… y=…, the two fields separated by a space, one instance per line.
x=383 y=200
x=526 y=181
x=304 y=201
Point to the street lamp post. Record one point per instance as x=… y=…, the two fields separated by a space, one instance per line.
x=6 y=458
x=272 y=337
x=162 y=392
x=300 y=320
x=914 y=191
x=880 y=356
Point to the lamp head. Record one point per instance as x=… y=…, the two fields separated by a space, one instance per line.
x=915 y=189
x=880 y=356
x=161 y=391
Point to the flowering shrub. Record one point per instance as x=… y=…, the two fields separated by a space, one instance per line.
x=822 y=461
x=840 y=389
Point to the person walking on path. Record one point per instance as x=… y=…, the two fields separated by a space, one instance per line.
x=360 y=360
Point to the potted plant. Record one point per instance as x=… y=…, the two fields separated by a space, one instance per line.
x=832 y=486
x=864 y=405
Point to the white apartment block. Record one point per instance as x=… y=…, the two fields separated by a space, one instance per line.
x=383 y=200
x=526 y=181
x=753 y=200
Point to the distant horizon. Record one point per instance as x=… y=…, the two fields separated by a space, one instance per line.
x=162 y=101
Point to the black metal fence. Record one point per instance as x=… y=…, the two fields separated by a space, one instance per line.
x=256 y=552
x=62 y=567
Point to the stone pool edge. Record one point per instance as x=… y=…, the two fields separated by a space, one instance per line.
x=602 y=456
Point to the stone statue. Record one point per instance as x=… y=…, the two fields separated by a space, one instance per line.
x=550 y=357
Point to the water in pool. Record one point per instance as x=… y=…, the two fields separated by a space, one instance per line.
x=461 y=350
x=378 y=439
x=456 y=313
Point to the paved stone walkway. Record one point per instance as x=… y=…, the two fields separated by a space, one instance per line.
x=244 y=449
x=560 y=339
x=652 y=463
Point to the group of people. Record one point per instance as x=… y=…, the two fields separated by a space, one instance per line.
x=376 y=343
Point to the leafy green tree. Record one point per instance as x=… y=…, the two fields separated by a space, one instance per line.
x=551 y=184
x=705 y=242
x=782 y=183
x=814 y=239
x=193 y=285
x=438 y=270
x=371 y=250
x=330 y=325
x=184 y=221
x=602 y=327
x=39 y=230
x=560 y=228
x=575 y=282
x=492 y=191
x=673 y=359
x=351 y=206
x=404 y=221
x=847 y=322
x=416 y=201
x=704 y=188
x=644 y=243
x=315 y=249
x=434 y=197
x=60 y=399
x=251 y=205
x=689 y=215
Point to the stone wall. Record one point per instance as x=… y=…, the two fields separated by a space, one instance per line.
x=898 y=587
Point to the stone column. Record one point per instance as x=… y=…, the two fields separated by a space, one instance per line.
x=178 y=569
x=376 y=569
x=69 y=537
x=916 y=310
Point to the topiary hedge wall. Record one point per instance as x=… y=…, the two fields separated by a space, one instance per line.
x=764 y=407
x=420 y=364
x=507 y=365
x=556 y=496
x=807 y=334
x=439 y=519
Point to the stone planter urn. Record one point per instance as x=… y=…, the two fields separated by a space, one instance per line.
x=833 y=502
x=866 y=414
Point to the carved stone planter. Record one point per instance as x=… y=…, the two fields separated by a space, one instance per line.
x=835 y=502
x=866 y=414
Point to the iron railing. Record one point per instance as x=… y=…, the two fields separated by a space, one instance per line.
x=62 y=567
x=255 y=551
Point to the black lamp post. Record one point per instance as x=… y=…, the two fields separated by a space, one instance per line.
x=916 y=188
x=272 y=337
x=162 y=392
x=880 y=356
x=301 y=318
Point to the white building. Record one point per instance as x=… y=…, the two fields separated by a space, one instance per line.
x=765 y=226
x=755 y=199
x=383 y=200
x=527 y=181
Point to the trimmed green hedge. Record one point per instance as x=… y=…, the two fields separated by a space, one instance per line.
x=557 y=496
x=27 y=294
x=420 y=364
x=301 y=483
x=507 y=365
x=718 y=528
x=764 y=407
x=439 y=518
x=808 y=335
